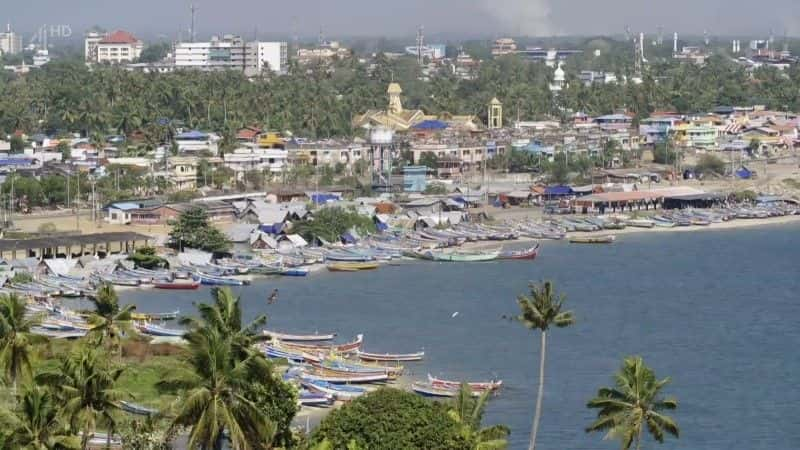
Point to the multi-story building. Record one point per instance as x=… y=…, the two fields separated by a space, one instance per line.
x=196 y=142
x=251 y=157
x=232 y=53
x=41 y=57
x=326 y=52
x=10 y=42
x=504 y=46
x=118 y=47
x=182 y=173
x=327 y=153
x=90 y=42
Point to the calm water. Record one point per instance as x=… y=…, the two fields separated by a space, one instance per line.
x=716 y=311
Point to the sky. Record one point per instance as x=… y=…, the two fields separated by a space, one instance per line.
x=470 y=18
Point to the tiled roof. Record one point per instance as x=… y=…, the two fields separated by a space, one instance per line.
x=119 y=37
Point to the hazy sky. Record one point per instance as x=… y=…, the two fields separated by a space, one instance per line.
x=398 y=18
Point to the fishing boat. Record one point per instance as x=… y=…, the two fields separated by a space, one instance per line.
x=330 y=366
x=155 y=316
x=429 y=390
x=341 y=392
x=607 y=239
x=277 y=353
x=177 y=285
x=138 y=410
x=348 y=378
x=299 y=337
x=390 y=357
x=640 y=223
x=463 y=256
x=217 y=281
x=155 y=330
x=529 y=253
x=475 y=386
x=352 y=267
x=308 y=398
x=349 y=347
x=294 y=272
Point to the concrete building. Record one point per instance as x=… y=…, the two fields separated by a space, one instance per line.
x=10 y=42
x=182 y=172
x=433 y=51
x=250 y=157
x=90 y=42
x=232 y=53
x=118 y=47
x=504 y=46
x=195 y=142
x=41 y=57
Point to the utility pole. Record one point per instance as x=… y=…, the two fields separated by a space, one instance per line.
x=77 y=200
x=191 y=31
x=11 y=201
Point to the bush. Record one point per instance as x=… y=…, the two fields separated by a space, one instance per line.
x=331 y=223
x=435 y=189
x=745 y=196
x=710 y=164
x=390 y=418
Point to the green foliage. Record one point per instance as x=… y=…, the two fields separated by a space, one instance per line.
x=429 y=160
x=746 y=196
x=390 y=418
x=17 y=144
x=21 y=277
x=665 y=154
x=47 y=228
x=182 y=196
x=193 y=230
x=331 y=223
x=634 y=404
x=708 y=164
x=36 y=423
x=16 y=339
x=65 y=150
x=468 y=412
x=435 y=189
x=155 y=52
x=145 y=257
x=109 y=321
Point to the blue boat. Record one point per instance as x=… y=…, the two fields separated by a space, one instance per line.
x=338 y=391
x=217 y=281
x=295 y=272
x=155 y=330
x=308 y=398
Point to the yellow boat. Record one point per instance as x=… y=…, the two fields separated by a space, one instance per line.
x=352 y=266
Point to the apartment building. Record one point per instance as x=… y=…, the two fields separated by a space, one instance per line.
x=232 y=53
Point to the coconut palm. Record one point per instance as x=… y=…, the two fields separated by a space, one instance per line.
x=468 y=411
x=540 y=311
x=225 y=317
x=85 y=385
x=109 y=321
x=215 y=399
x=36 y=424
x=634 y=403
x=16 y=338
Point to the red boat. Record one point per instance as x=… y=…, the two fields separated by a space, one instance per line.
x=339 y=348
x=184 y=285
x=529 y=253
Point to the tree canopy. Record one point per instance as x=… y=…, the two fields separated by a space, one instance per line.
x=193 y=230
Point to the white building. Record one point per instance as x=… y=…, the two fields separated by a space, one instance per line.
x=10 y=42
x=251 y=157
x=118 y=47
x=232 y=53
x=90 y=45
x=41 y=57
x=559 y=80
x=196 y=142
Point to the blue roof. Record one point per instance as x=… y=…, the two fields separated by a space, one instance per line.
x=558 y=190
x=430 y=125
x=125 y=206
x=194 y=134
x=12 y=161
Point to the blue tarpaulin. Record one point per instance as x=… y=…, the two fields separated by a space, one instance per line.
x=744 y=173
x=558 y=191
x=194 y=134
x=322 y=197
x=275 y=228
x=431 y=125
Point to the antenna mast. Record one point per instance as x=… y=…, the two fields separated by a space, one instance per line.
x=191 y=31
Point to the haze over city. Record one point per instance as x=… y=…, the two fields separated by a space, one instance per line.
x=462 y=17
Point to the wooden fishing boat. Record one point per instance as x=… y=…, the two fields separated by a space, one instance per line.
x=390 y=357
x=155 y=316
x=529 y=253
x=217 y=281
x=641 y=223
x=352 y=267
x=475 y=386
x=463 y=256
x=336 y=366
x=349 y=347
x=429 y=390
x=606 y=239
x=294 y=272
x=307 y=398
x=155 y=330
x=299 y=337
x=341 y=392
x=177 y=285
x=135 y=409
x=348 y=378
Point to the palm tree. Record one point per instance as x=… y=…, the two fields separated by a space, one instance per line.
x=216 y=397
x=224 y=316
x=635 y=402
x=540 y=311
x=468 y=411
x=109 y=320
x=85 y=386
x=16 y=338
x=36 y=423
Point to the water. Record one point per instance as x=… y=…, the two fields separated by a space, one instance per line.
x=715 y=311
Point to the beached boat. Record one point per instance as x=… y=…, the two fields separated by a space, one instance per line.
x=278 y=353
x=299 y=337
x=528 y=253
x=217 y=281
x=155 y=330
x=429 y=390
x=355 y=378
x=390 y=357
x=640 y=223
x=341 y=392
x=475 y=386
x=177 y=285
x=294 y=272
x=349 y=347
x=607 y=239
x=155 y=316
x=138 y=410
x=463 y=256
x=308 y=398
x=351 y=267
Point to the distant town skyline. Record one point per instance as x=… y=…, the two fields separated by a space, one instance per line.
x=455 y=17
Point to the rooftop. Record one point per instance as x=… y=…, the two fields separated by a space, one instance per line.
x=119 y=37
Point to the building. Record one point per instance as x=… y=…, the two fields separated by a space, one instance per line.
x=590 y=77
x=551 y=57
x=90 y=42
x=10 y=42
x=196 y=142
x=182 y=172
x=394 y=117
x=41 y=57
x=117 y=47
x=559 y=80
x=695 y=135
x=326 y=52
x=432 y=52
x=504 y=46
x=495 y=114
x=232 y=53
x=250 y=157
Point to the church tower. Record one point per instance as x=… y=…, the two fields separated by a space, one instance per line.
x=495 y=114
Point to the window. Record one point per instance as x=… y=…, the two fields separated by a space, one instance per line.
x=113 y=216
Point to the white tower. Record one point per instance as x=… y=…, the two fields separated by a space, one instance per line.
x=675 y=42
